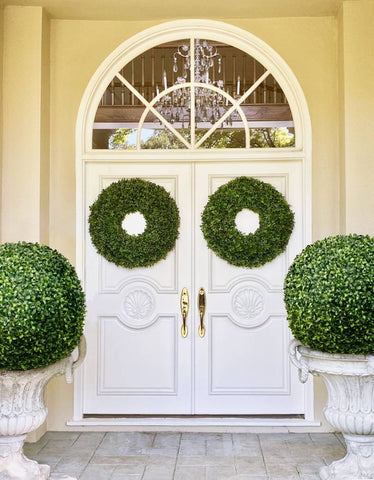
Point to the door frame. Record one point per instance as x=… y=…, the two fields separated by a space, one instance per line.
x=133 y=47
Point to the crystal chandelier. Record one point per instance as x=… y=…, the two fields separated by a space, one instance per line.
x=210 y=105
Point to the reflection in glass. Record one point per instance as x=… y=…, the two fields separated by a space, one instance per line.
x=122 y=138
x=267 y=116
x=223 y=138
x=210 y=106
x=272 y=137
x=114 y=139
x=207 y=63
x=125 y=139
x=175 y=107
x=163 y=139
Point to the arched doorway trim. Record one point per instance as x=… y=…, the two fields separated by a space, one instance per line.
x=167 y=32
x=176 y=30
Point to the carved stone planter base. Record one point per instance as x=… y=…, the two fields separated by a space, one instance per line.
x=15 y=465
x=22 y=410
x=358 y=464
x=350 y=406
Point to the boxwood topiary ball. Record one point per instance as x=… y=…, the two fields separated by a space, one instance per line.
x=329 y=295
x=42 y=306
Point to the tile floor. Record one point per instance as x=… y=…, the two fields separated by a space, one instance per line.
x=187 y=456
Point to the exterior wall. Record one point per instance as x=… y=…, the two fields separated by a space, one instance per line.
x=1 y=102
x=44 y=131
x=24 y=136
x=331 y=57
x=357 y=37
x=25 y=148
x=308 y=45
x=341 y=120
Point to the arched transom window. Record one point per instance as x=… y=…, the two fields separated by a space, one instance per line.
x=193 y=93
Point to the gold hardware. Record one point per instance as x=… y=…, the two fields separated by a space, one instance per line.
x=201 y=306
x=184 y=310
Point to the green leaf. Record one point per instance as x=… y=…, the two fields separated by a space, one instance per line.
x=41 y=296
x=329 y=295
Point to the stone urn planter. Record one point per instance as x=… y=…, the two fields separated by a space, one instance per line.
x=329 y=297
x=42 y=310
x=350 y=407
x=22 y=410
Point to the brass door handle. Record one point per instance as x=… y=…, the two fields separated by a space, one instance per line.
x=201 y=306
x=184 y=310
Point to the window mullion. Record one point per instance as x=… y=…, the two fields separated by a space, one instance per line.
x=234 y=107
x=192 y=92
x=153 y=110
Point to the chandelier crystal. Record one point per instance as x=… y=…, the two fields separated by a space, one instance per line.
x=210 y=105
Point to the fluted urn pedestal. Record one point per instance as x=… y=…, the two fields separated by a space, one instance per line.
x=22 y=410
x=350 y=407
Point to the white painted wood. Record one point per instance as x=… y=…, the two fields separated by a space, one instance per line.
x=242 y=362
x=193 y=423
x=137 y=361
x=126 y=163
x=247 y=221
x=134 y=223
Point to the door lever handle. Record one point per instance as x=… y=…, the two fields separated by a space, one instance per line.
x=201 y=306
x=184 y=310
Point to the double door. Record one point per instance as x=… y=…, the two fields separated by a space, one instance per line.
x=138 y=361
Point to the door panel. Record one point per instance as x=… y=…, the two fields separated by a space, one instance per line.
x=157 y=371
x=243 y=359
x=246 y=345
x=137 y=361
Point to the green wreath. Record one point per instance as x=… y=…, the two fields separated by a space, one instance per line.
x=128 y=196
x=254 y=249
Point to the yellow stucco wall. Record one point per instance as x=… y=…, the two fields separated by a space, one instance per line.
x=342 y=202
x=357 y=110
x=44 y=130
x=331 y=57
x=1 y=102
x=308 y=45
x=25 y=126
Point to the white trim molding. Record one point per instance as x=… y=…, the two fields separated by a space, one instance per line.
x=130 y=49
x=193 y=422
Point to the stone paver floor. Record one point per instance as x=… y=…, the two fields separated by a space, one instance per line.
x=187 y=456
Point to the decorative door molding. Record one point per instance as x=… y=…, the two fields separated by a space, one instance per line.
x=131 y=48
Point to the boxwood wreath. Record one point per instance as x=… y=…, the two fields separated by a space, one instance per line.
x=128 y=196
x=254 y=249
x=42 y=306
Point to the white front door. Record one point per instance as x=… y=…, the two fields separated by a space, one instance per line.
x=241 y=365
x=137 y=360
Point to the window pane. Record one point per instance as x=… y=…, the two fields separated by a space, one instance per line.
x=223 y=138
x=114 y=139
x=272 y=137
x=161 y=138
x=156 y=69
x=210 y=106
x=265 y=108
x=175 y=107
